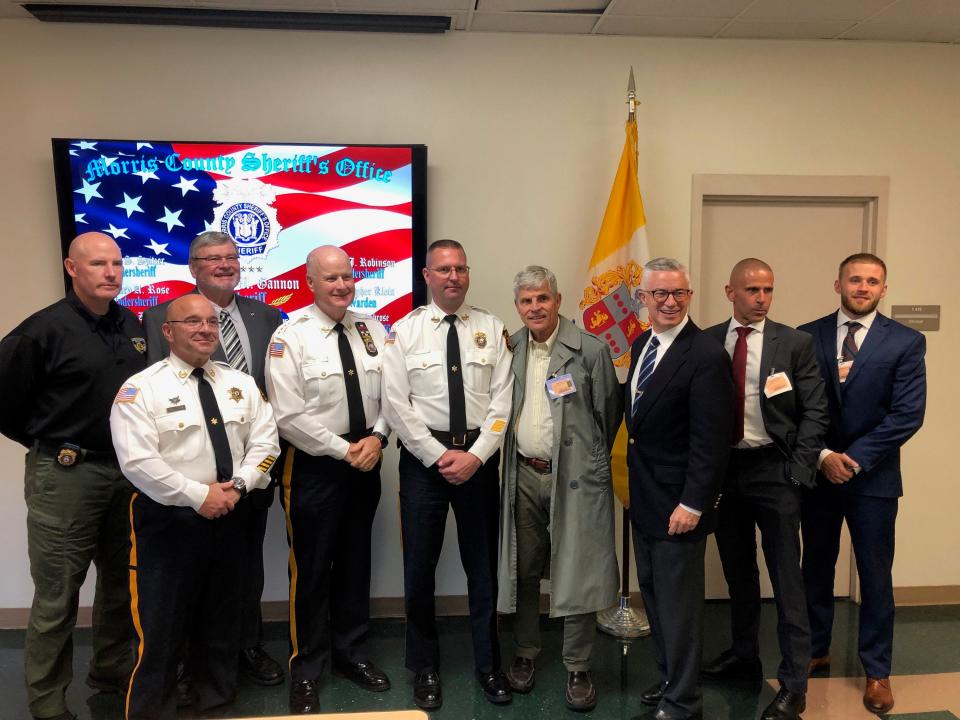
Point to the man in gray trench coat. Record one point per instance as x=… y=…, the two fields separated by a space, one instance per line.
x=557 y=518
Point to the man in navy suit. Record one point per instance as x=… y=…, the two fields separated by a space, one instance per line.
x=876 y=388
x=781 y=420
x=680 y=411
x=245 y=329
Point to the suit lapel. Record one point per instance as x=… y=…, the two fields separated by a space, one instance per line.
x=519 y=367
x=875 y=337
x=634 y=360
x=771 y=342
x=828 y=345
x=672 y=361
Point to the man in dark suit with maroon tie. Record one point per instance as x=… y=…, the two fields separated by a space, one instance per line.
x=876 y=383
x=680 y=410
x=781 y=420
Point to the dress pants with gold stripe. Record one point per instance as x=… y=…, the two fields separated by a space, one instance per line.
x=185 y=581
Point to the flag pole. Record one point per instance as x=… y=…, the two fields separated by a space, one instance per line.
x=622 y=620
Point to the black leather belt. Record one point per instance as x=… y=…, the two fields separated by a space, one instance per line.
x=456 y=441
x=68 y=454
x=761 y=449
x=544 y=467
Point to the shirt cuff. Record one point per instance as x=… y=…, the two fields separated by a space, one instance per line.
x=690 y=510
x=823 y=455
x=196 y=494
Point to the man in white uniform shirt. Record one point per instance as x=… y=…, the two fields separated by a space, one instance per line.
x=194 y=437
x=447 y=386
x=323 y=379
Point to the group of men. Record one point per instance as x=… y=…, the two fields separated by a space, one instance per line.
x=747 y=424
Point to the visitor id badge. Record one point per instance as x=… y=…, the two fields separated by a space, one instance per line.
x=777 y=384
x=558 y=387
x=843 y=368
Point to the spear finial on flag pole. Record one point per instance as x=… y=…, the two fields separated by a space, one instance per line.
x=631 y=97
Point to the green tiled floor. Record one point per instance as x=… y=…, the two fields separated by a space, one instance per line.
x=927 y=640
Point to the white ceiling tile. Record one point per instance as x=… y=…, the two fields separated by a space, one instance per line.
x=786 y=30
x=660 y=27
x=562 y=23
x=679 y=8
x=928 y=32
x=919 y=12
x=540 y=5
x=813 y=9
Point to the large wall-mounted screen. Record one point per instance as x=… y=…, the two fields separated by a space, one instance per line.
x=277 y=200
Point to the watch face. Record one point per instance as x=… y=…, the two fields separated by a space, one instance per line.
x=240 y=486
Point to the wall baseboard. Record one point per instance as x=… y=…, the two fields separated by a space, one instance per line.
x=392 y=607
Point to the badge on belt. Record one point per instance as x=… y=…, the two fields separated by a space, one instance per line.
x=68 y=454
x=367 y=339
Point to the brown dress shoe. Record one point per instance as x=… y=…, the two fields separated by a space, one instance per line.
x=580 y=694
x=817 y=664
x=878 y=697
x=522 y=675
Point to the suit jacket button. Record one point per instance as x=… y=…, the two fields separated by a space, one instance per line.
x=631 y=441
x=574 y=484
x=568 y=442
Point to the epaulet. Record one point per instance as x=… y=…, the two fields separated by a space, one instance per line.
x=222 y=364
x=153 y=369
x=480 y=309
x=293 y=322
x=410 y=315
x=361 y=316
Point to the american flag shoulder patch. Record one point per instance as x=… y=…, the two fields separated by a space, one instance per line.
x=127 y=394
x=391 y=338
x=277 y=348
x=267 y=463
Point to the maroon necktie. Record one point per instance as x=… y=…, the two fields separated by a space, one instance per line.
x=740 y=375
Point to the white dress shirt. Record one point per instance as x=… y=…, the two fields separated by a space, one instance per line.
x=304 y=378
x=754 y=433
x=666 y=339
x=415 y=379
x=534 y=422
x=161 y=438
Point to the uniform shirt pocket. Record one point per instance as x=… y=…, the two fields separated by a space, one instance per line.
x=427 y=374
x=372 y=367
x=181 y=436
x=323 y=378
x=478 y=368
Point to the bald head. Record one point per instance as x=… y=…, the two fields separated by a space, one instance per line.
x=748 y=265
x=330 y=278
x=191 y=329
x=750 y=290
x=95 y=266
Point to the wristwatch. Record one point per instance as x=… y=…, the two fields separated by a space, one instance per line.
x=240 y=485
x=381 y=437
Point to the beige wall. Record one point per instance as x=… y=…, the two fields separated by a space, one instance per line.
x=524 y=134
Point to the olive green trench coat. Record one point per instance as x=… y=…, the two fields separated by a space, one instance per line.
x=583 y=564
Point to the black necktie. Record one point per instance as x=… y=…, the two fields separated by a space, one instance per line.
x=358 y=420
x=458 y=405
x=214 y=422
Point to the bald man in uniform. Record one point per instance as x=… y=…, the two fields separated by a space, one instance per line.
x=59 y=371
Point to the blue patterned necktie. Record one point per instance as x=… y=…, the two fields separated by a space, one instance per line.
x=646 y=370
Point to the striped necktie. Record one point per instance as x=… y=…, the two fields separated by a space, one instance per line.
x=646 y=370
x=849 y=349
x=230 y=340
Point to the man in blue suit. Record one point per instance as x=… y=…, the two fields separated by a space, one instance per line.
x=876 y=388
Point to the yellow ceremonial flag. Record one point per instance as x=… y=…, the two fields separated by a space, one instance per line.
x=610 y=308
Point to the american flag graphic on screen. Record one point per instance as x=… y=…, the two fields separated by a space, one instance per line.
x=278 y=202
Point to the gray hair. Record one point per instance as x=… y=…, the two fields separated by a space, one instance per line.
x=533 y=276
x=208 y=239
x=667 y=264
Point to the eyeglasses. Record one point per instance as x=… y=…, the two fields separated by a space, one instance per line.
x=661 y=295
x=197 y=323
x=216 y=259
x=448 y=269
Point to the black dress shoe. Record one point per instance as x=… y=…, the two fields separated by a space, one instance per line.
x=664 y=715
x=426 y=691
x=581 y=695
x=259 y=667
x=785 y=706
x=303 y=698
x=729 y=667
x=522 y=675
x=495 y=687
x=653 y=694
x=365 y=674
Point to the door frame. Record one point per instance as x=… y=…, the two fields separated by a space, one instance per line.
x=872 y=192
